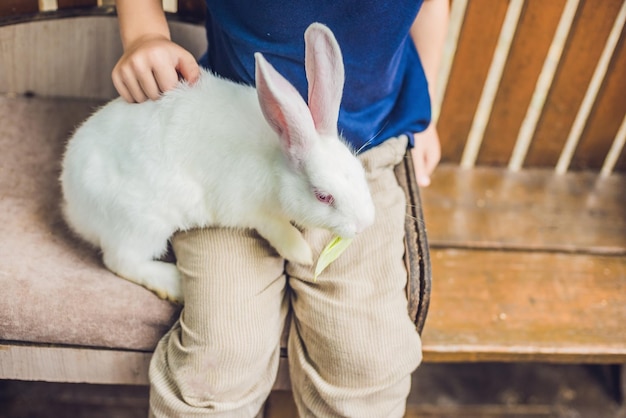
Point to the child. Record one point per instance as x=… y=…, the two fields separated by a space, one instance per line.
x=352 y=347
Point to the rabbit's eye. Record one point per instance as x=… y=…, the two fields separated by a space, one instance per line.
x=325 y=198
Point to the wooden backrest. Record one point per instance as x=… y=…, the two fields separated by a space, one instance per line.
x=12 y=11
x=49 y=52
x=535 y=83
x=524 y=83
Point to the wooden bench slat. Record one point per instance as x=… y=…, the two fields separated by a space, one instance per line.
x=86 y=364
x=523 y=306
x=481 y=26
x=530 y=210
x=606 y=118
x=529 y=49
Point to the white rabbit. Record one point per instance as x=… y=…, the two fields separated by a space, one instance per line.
x=209 y=155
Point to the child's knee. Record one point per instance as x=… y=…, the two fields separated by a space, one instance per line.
x=220 y=368
x=382 y=360
x=229 y=376
x=360 y=360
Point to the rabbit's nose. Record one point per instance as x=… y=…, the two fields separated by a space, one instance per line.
x=360 y=226
x=364 y=223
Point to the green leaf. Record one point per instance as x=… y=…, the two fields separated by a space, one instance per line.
x=330 y=253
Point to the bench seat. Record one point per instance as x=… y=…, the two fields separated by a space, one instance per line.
x=527 y=266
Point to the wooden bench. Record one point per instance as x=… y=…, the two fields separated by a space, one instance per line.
x=63 y=317
x=526 y=215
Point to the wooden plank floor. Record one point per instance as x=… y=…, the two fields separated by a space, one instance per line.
x=439 y=390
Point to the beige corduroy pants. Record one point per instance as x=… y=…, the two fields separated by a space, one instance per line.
x=352 y=346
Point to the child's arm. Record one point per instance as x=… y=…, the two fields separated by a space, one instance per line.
x=151 y=62
x=429 y=33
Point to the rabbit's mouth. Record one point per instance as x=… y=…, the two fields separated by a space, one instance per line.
x=347 y=231
x=352 y=228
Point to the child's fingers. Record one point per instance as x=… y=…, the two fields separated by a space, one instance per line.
x=188 y=67
x=422 y=175
x=125 y=79
x=151 y=67
x=432 y=157
x=132 y=85
x=166 y=78
x=149 y=85
x=121 y=87
x=426 y=154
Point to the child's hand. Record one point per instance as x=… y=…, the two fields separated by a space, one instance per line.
x=151 y=66
x=426 y=154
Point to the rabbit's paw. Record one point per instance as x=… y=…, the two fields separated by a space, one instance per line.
x=298 y=251
x=288 y=241
x=292 y=246
x=175 y=296
x=160 y=277
x=166 y=283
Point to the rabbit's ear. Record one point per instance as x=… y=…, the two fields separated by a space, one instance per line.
x=325 y=75
x=284 y=109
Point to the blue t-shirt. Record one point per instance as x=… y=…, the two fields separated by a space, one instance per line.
x=385 y=93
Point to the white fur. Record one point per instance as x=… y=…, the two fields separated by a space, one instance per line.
x=210 y=155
